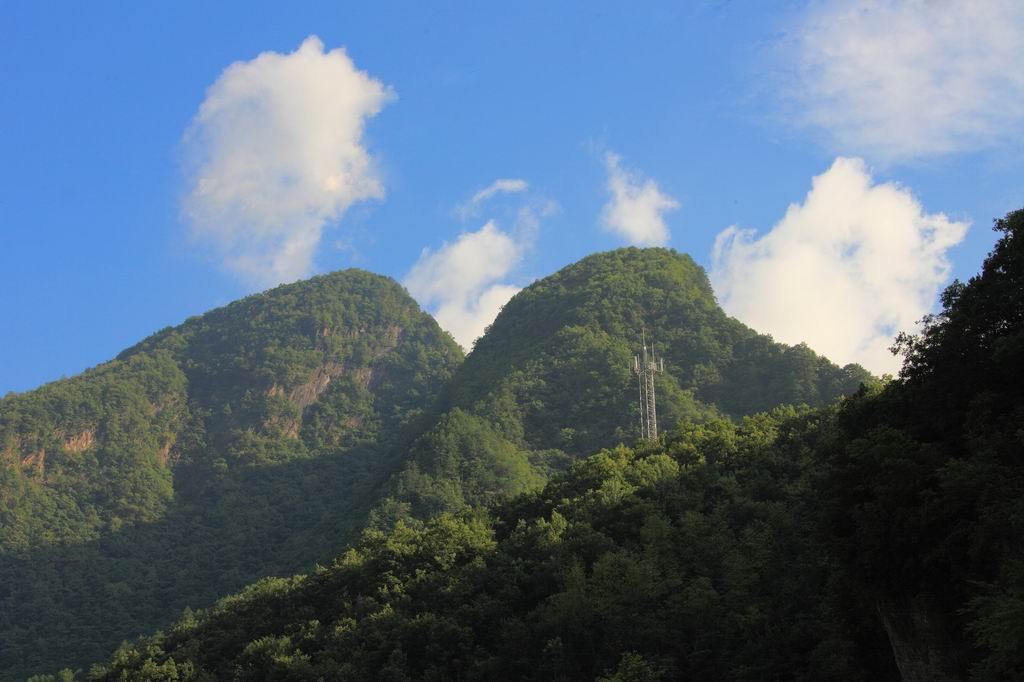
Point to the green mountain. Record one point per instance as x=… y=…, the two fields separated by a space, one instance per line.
x=552 y=379
x=878 y=539
x=264 y=436
x=564 y=347
x=239 y=444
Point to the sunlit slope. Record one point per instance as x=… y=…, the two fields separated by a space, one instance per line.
x=242 y=443
x=552 y=377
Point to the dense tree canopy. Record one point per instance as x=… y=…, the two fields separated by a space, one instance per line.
x=926 y=483
x=652 y=559
x=242 y=443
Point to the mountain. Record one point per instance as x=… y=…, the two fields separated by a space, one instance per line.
x=577 y=331
x=881 y=538
x=551 y=380
x=239 y=444
x=264 y=436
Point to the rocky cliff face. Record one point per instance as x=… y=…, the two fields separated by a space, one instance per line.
x=924 y=652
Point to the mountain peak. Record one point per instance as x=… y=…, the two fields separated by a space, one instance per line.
x=575 y=333
x=240 y=443
x=256 y=438
x=552 y=378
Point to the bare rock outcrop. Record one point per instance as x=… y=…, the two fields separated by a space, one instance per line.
x=35 y=461
x=922 y=650
x=307 y=393
x=77 y=443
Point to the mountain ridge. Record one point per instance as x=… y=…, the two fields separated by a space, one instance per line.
x=261 y=436
x=237 y=444
x=551 y=379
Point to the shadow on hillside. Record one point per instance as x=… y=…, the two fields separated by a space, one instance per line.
x=72 y=606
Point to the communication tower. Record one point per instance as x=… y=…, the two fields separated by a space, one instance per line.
x=645 y=367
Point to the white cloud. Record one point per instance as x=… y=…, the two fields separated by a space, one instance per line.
x=636 y=206
x=277 y=153
x=528 y=218
x=461 y=280
x=844 y=271
x=500 y=186
x=907 y=79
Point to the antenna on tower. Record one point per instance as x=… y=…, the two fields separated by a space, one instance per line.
x=645 y=367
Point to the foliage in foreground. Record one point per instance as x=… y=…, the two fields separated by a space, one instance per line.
x=925 y=483
x=693 y=560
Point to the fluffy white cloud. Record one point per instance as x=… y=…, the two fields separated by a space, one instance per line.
x=844 y=271
x=900 y=79
x=636 y=206
x=500 y=186
x=461 y=280
x=275 y=154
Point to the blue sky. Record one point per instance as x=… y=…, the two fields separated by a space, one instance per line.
x=619 y=123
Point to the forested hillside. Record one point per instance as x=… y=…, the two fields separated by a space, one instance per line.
x=552 y=380
x=240 y=444
x=693 y=559
x=879 y=538
x=925 y=483
x=263 y=436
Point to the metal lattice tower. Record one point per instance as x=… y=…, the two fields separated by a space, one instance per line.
x=645 y=367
